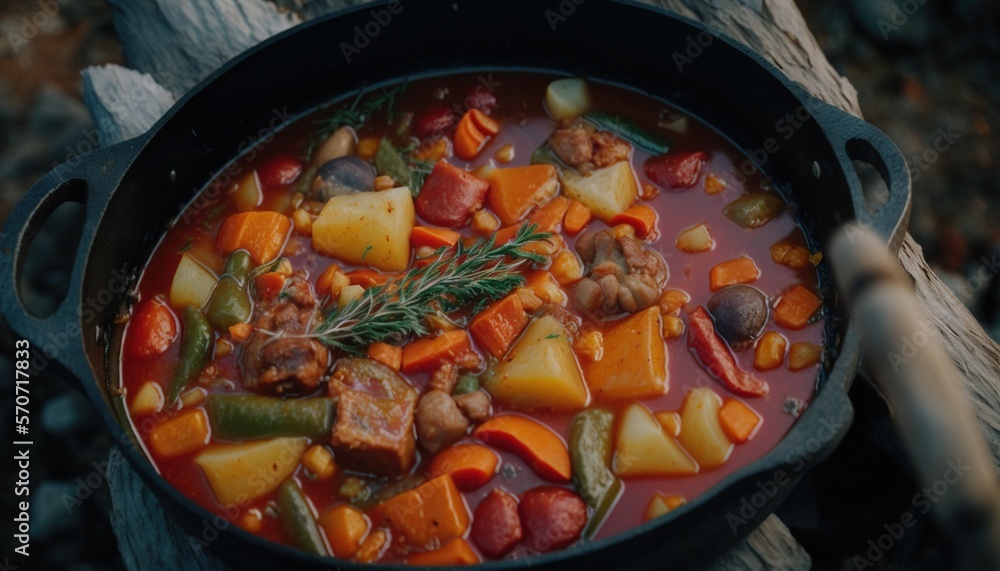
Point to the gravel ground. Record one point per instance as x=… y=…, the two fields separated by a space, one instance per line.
x=924 y=77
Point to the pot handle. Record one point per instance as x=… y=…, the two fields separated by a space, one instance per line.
x=89 y=179
x=857 y=140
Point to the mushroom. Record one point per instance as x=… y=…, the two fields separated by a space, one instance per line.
x=344 y=175
x=740 y=313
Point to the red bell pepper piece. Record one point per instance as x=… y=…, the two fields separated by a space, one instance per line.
x=450 y=196
x=434 y=120
x=279 y=170
x=713 y=354
x=676 y=171
x=152 y=330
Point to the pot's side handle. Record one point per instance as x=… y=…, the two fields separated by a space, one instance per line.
x=89 y=179
x=857 y=140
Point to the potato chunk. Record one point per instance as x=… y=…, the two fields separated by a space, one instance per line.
x=367 y=228
x=607 y=191
x=193 y=283
x=239 y=473
x=634 y=365
x=644 y=449
x=701 y=432
x=540 y=371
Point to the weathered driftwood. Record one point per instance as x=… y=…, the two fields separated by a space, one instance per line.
x=172 y=44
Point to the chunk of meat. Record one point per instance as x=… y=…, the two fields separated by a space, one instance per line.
x=643 y=261
x=285 y=363
x=475 y=406
x=588 y=295
x=572 y=146
x=445 y=378
x=624 y=274
x=440 y=423
x=375 y=416
x=608 y=149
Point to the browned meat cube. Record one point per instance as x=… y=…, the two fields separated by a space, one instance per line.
x=375 y=414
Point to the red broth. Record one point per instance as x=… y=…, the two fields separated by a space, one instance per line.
x=524 y=125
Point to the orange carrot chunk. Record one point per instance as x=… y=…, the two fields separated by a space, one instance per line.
x=738 y=271
x=269 y=285
x=345 y=527
x=802 y=355
x=368 y=278
x=640 y=217
x=739 y=421
x=497 y=326
x=263 y=234
x=426 y=516
x=386 y=354
x=472 y=132
x=515 y=191
x=536 y=443
x=577 y=217
x=796 y=307
x=486 y=124
x=469 y=465
x=429 y=353
x=433 y=237
x=186 y=432
x=455 y=552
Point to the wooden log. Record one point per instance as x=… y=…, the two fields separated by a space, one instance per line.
x=176 y=43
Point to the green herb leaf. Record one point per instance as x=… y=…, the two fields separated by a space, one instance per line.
x=365 y=253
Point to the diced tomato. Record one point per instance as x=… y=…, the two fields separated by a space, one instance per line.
x=434 y=120
x=450 y=196
x=552 y=517
x=496 y=526
x=279 y=170
x=675 y=171
x=152 y=329
x=715 y=356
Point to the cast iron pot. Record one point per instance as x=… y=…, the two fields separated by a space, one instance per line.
x=134 y=189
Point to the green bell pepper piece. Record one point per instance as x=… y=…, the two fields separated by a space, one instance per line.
x=255 y=416
x=466 y=384
x=238 y=265
x=297 y=519
x=196 y=345
x=590 y=454
x=652 y=142
x=228 y=305
x=754 y=210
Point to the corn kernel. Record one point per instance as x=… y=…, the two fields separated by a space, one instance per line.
x=148 y=400
x=566 y=268
x=505 y=154
x=672 y=300
x=485 y=223
x=714 y=184
x=251 y=520
x=303 y=222
x=366 y=148
x=384 y=182
x=673 y=327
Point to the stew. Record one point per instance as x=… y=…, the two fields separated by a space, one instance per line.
x=469 y=318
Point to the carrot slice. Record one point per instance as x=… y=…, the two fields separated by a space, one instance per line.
x=186 y=432
x=469 y=465
x=368 y=278
x=577 y=217
x=387 y=354
x=640 y=217
x=536 y=443
x=738 y=420
x=433 y=237
x=515 y=191
x=738 y=271
x=497 y=326
x=429 y=353
x=269 y=285
x=796 y=307
x=486 y=124
x=547 y=218
x=469 y=140
x=263 y=234
x=345 y=527
x=428 y=515
x=455 y=552
x=770 y=351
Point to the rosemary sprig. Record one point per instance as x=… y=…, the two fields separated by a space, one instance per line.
x=474 y=274
x=357 y=113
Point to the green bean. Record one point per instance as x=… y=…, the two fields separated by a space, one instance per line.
x=255 y=416
x=466 y=384
x=389 y=161
x=754 y=210
x=652 y=142
x=196 y=344
x=590 y=453
x=297 y=519
x=229 y=304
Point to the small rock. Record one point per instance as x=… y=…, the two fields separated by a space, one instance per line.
x=67 y=413
x=48 y=512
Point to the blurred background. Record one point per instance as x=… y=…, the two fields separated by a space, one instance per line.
x=929 y=76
